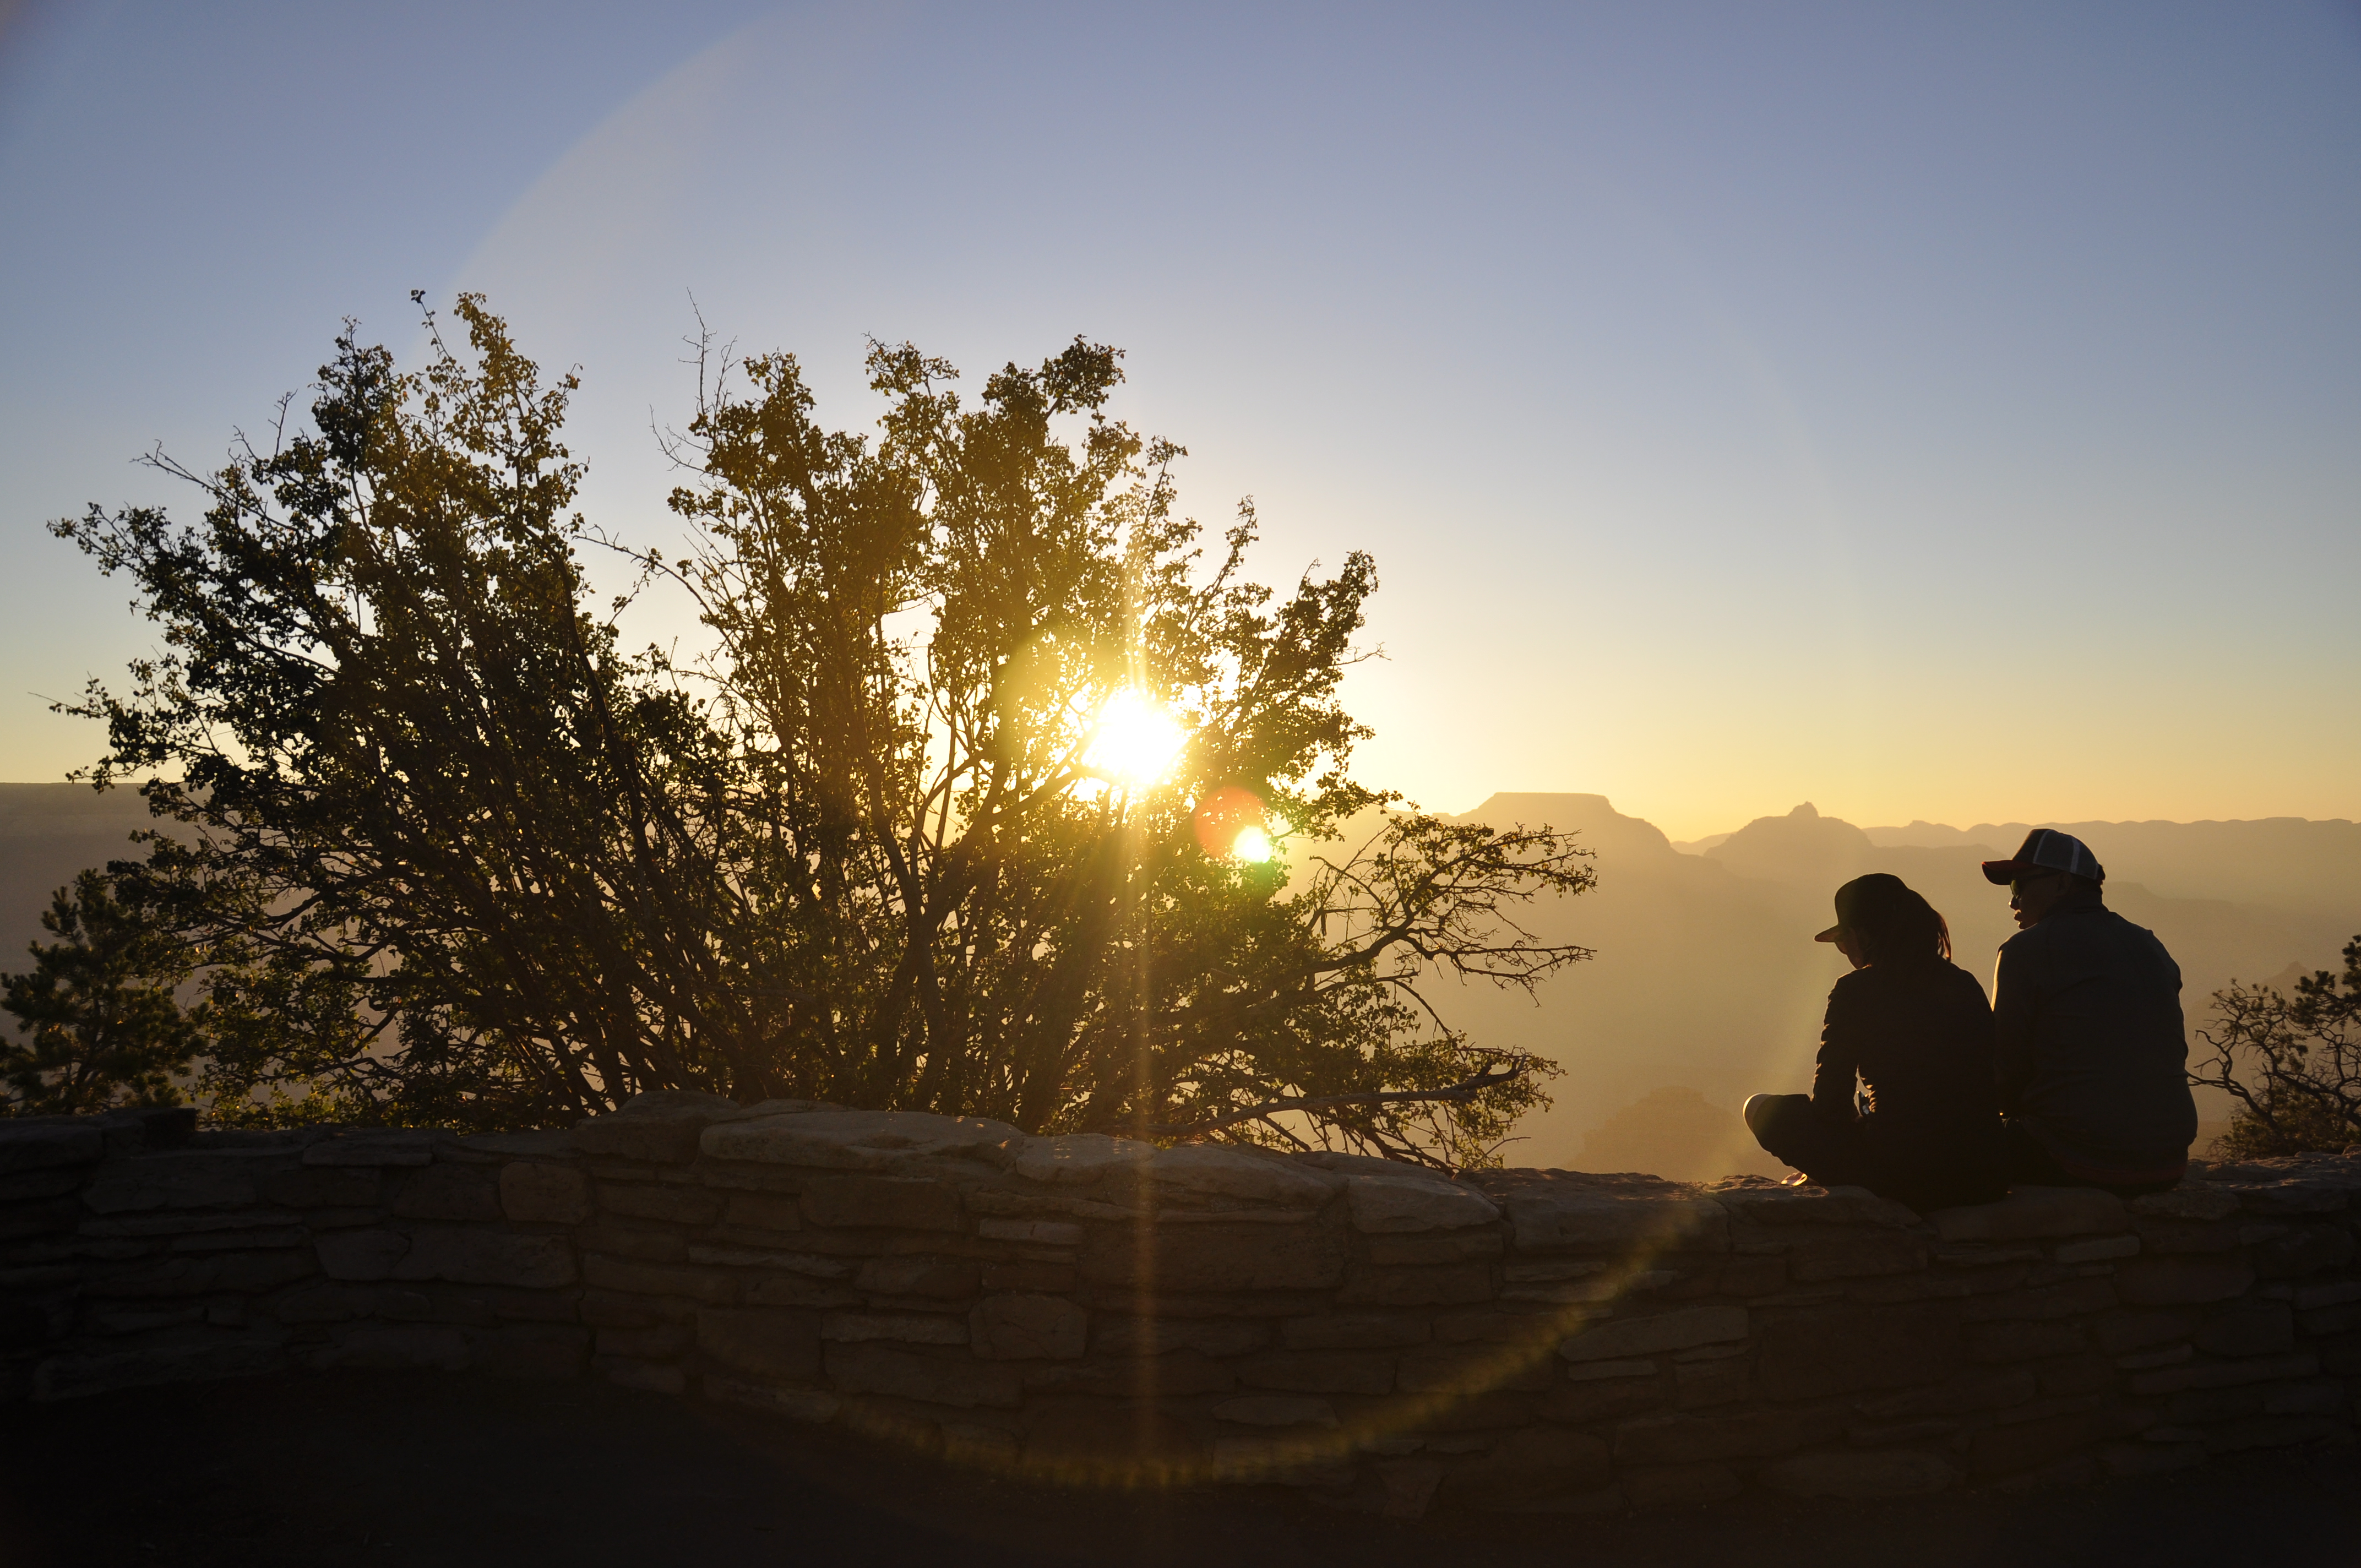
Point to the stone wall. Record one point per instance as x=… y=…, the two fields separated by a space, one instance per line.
x=1094 y=1308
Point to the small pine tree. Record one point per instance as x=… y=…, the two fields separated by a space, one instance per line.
x=101 y=1021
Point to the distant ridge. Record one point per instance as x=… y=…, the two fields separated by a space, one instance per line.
x=47 y=832
x=1706 y=981
x=2312 y=866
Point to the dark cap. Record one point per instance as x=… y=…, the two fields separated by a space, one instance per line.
x=1859 y=897
x=2047 y=849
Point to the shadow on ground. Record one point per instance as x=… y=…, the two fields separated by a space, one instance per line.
x=402 y=1469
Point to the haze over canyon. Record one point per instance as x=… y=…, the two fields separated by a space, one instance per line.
x=1706 y=985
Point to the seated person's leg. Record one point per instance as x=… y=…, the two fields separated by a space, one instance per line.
x=1945 y=1179
x=2030 y=1163
x=1830 y=1153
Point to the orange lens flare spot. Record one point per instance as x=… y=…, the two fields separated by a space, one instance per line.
x=1231 y=826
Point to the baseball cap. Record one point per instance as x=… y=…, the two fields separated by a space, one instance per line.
x=2047 y=849
x=1859 y=897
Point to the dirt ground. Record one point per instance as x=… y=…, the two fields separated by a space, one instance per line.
x=394 y=1469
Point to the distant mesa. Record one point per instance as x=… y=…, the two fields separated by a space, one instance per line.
x=1801 y=847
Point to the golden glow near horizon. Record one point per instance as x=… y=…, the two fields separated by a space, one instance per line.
x=1791 y=503
x=1134 y=741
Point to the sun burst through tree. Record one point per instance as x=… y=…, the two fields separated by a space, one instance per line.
x=1134 y=741
x=455 y=855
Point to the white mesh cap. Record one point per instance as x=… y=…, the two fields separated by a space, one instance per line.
x=2047 y=849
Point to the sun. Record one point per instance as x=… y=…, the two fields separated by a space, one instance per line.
x=1134 y=741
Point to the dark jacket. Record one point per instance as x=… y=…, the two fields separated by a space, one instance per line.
x=1920 y=1037
x=2087 y=1035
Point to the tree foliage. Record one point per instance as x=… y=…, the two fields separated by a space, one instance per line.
x=2291 y=1065
x=100 y=1021
x=453 y=855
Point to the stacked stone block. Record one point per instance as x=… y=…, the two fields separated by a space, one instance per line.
x=1094 y=1308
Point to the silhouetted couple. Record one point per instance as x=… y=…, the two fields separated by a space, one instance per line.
x=2072 y=1076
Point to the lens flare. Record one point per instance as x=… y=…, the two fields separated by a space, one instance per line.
x=1231 y=826
x=1134 y=741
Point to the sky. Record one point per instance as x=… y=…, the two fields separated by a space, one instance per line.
x=1927 y=411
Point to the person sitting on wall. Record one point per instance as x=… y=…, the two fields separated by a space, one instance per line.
x=2087 y=1032
x=1917 y=1031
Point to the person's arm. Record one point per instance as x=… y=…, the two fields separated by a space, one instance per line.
x=1839 y=1060
x=2014 y=1004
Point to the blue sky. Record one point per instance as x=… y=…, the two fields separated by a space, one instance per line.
x=1928 y=411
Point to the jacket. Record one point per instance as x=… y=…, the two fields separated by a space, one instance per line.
x=2088 y=1039
x=1920 y=1038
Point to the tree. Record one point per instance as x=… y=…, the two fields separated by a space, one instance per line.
x=102 y=1023
x=2292 y=1064
x=949 y=819
x=436 y=836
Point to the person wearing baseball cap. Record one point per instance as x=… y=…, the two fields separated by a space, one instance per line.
x=2087 y=1034
x=1914 y=1028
